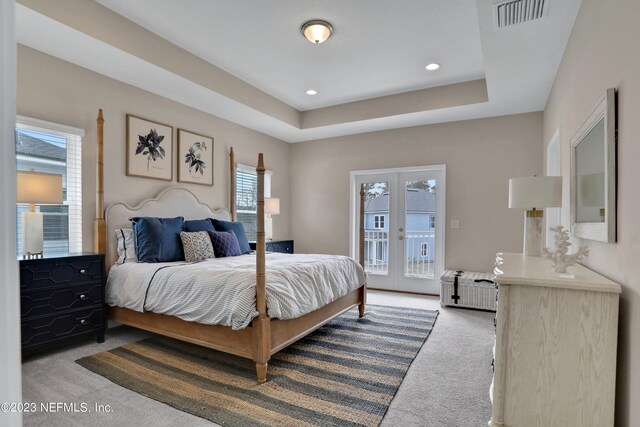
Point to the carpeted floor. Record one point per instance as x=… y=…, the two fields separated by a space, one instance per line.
x=344 y=374
x=447 y=384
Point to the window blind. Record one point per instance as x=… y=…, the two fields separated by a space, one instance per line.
x=50 y=147
x=247 y=197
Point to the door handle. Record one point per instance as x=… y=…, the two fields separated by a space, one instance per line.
x=400 y=237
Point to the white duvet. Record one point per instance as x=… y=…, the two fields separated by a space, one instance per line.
x=222 y=291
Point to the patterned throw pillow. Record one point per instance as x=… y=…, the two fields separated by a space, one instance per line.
x=197 y=246
x=126 y=251
x=225 y=243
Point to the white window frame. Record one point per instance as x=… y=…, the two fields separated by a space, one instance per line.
x=73 y=161
x=379 y=222
x=424 y=249
x=252 y=171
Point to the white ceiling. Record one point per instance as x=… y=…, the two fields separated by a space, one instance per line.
x=380 y=47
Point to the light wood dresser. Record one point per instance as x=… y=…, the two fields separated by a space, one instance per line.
x=555 y=350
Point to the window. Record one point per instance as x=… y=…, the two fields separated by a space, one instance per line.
x=378 y=221
x=247 y=197
x=49 y=147
x=381 y=252
x=424 y=249
x=432 y=222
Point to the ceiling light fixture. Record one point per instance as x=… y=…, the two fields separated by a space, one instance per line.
x=311 y=92
x=317 y=31
x=433 y=66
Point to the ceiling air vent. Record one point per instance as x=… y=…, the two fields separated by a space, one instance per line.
x=512 y=12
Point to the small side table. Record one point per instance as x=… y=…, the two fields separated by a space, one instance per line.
x=61 y=300
x=284 y=246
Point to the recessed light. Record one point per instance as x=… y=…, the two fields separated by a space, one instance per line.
x=433 y=66
x=311 y=92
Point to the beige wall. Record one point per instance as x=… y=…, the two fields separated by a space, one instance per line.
x=601 y=53
x=480 y=155
x=57 y=91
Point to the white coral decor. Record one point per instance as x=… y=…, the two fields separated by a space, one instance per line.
x=560 y=259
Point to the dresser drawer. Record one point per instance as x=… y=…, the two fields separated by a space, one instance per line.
x=45 y=330
x=46 y=273
x=53 y=300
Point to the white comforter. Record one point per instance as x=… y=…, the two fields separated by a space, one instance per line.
x=222 y=291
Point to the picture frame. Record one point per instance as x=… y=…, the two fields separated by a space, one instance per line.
x=149 y=149
x=195 y=158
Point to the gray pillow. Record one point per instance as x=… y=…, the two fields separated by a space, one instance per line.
x=197 y=246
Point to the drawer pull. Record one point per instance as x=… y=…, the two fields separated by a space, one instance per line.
x=83 y=271
x=84 y=321
x=83 y=296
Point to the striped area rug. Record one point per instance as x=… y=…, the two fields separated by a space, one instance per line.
x=344 y=374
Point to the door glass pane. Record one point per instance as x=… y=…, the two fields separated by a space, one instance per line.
x=420 y=224
x=376 y=228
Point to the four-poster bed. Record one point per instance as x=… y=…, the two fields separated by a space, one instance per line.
x=264 y=336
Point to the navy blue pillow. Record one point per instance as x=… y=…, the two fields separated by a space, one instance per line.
x=225 y=243
x=238 y=229
x=194 y=225
x=158 y=239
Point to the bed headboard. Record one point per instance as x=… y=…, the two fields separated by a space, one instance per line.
x=169 y=203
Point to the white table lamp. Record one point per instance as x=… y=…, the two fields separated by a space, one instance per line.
x=534 y=193
x=271 y=207
x=36 y=188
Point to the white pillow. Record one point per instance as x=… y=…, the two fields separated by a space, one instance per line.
x=126 y=251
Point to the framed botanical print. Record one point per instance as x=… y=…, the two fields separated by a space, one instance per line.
x=149 y=149
x=195 y=158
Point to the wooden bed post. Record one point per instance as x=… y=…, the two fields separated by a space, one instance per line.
x=232 y=184
x=363 y=289
x=261 y=324
x=99 y=225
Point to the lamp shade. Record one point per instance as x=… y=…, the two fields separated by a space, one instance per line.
x=535 y=192
x=39 y=188
x=272 y=206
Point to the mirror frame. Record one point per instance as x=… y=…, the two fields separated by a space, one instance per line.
x=601 y=231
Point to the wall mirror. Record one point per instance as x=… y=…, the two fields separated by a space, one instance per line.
x=593 y=174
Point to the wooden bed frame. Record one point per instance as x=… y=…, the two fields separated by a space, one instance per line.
x=265 y=336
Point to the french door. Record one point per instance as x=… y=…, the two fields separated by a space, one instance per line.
x=404 y=227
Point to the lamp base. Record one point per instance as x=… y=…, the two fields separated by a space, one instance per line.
x=32 y=234
x=533 y=233
x=268 y=227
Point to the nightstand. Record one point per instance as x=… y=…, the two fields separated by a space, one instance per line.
x=284 y=246
x=61 y=300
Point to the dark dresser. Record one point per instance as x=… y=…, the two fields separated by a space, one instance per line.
x=61 y=300
x=284 y=246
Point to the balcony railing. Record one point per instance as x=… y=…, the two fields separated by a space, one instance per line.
x=419 y=253
x=376 y=251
